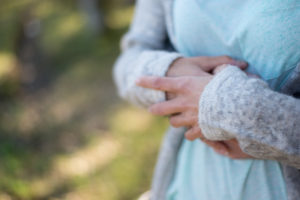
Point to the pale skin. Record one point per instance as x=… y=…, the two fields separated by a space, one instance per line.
x=183 y=85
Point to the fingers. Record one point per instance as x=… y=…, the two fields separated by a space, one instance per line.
x=210 y=63
x=159 y=83
x=235 y=152
x=229 y=148
x=183 y=120
x=194 y=133
x=171 y=107
x=217 y=146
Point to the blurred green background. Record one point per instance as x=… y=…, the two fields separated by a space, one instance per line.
x=64 y=132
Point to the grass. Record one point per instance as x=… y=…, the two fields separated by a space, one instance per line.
x=73 y=138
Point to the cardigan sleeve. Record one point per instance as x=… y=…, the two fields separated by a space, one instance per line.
x=266 y=123
x=143 y=54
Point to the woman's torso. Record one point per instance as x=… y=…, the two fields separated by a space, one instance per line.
x=263 y=33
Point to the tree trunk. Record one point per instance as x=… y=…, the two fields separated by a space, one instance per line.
x=93 y=15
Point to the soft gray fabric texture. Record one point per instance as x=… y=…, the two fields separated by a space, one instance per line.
x=266 y=123
x=144 y=53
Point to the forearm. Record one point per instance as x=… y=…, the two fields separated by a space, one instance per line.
x=143 y=53
x=138 y=62
x=265 y=122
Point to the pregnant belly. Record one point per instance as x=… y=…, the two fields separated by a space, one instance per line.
x=203 y=174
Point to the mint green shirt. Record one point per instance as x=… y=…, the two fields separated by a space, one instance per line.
x=202 y=174
x=263 y=33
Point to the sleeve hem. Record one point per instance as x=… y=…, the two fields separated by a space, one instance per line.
x=210 y=128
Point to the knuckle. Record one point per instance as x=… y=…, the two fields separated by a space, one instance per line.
x=178 y=106
x=175 y=122
x=183 y=84
x=157 y=83
x=183 y=103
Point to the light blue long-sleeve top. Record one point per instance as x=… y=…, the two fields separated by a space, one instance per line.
x=248 y=30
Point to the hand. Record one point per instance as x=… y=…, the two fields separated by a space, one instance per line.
x=184 y=107
x=188 y=89
x=188 y=108
x=194 y=66
x=199 y=66
x=194 y=69
x=228 y=148
x=189 y=77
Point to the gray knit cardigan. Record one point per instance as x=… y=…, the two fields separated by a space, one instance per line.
x=266 y=123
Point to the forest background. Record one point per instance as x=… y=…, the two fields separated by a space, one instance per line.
x=64 y=132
